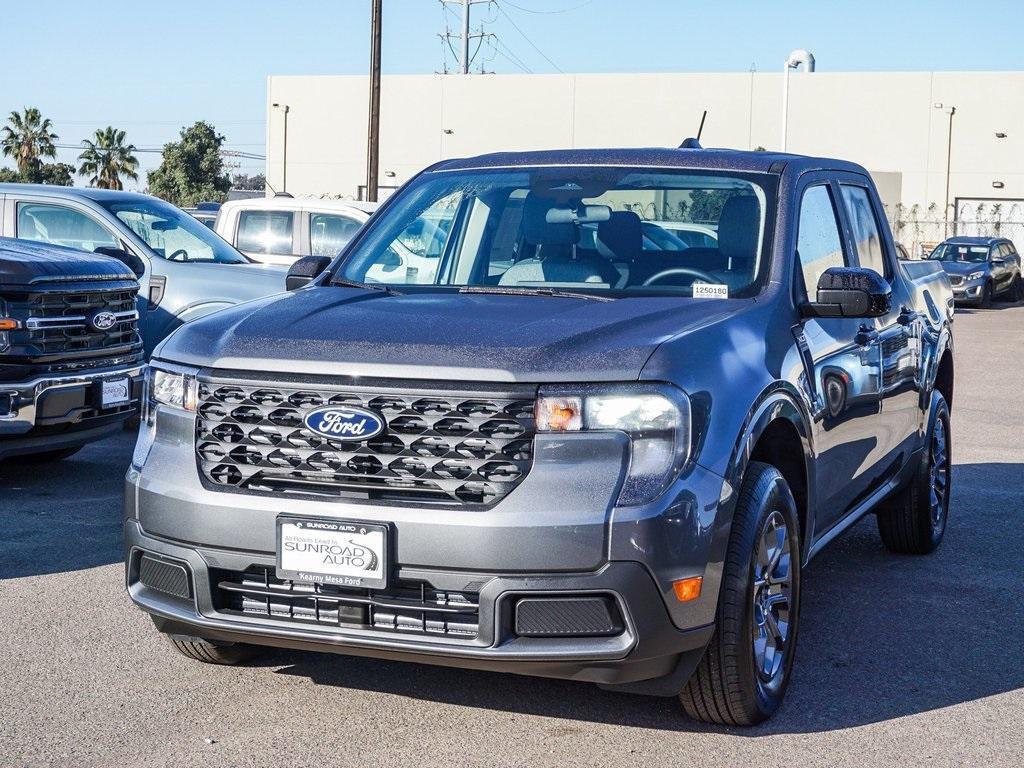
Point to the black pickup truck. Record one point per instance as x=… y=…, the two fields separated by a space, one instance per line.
x=71 y=356
x=562 y=447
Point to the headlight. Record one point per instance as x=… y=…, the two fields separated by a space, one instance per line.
x=175 y=388
x=976 y=275
x=655 y=417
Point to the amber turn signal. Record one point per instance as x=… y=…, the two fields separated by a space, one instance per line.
x=687 y=589
x=7 y=324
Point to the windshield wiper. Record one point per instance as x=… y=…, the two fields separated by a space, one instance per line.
x=514 y=291
x=388 y=290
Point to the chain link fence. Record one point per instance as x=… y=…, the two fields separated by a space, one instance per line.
x=921 y=228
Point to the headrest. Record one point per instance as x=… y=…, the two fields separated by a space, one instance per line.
x=536 y=229
x=739 y=227
x=621 y=237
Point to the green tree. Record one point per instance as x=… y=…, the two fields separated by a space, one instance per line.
x=107 y=159
x=191 y=170
x=27 y=138
x=60 y=174
x=9 y=175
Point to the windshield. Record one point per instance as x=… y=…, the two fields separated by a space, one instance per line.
x=611 y=231
x=975 y=254
x=173 y=234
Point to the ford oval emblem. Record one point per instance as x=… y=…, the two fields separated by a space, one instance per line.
x=344 y=422
x=104 y=321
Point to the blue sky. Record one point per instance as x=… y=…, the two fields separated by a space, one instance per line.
x=151 y=67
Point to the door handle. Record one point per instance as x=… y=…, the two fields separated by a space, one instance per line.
x=866 y=336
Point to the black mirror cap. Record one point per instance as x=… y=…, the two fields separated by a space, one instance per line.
x=851 y=292
x=130 y=260
x=306 y=270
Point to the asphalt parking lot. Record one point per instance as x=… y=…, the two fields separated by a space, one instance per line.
x=902 y=660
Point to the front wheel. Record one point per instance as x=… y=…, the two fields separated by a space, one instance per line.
x=743 y=675
x=212 y=652
x=914 y=521
x=1016 y=292
x=986 y=296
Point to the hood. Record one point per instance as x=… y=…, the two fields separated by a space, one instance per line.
x=963 y=267
x=25 y=263
x=470 y=337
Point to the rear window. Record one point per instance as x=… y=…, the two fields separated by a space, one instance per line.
x=616 y=231
x=266 y=232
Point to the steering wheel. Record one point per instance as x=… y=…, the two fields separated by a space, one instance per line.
x=179 y=255
x=696 y=274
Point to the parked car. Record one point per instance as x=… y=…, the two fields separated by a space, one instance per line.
x=546 y=460
x=981 y=269
x=205 y=213
x=185 y=271
x=281 y=229
x=70 y=352
x=694 y=235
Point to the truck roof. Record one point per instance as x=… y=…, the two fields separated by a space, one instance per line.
x=659 y=157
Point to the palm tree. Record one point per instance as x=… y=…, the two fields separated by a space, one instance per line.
x=107 y=159
x=28 y=138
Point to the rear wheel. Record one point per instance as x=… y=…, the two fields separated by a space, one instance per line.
x=213 y=652
x=743 y=675
x=47 y=456
x=914 y=521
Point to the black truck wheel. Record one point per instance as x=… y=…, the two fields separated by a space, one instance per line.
x=211 y=652
x=47 y=456
x=743 y=675
x=914 y=521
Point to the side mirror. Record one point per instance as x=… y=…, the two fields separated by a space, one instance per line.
x=130 y=260
x=850 y=292
x=305 y=270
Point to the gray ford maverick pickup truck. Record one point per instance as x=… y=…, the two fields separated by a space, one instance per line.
x=559 y=448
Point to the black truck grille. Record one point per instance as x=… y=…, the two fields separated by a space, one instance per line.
x=408 y=607
x=464 y=449
x=58 y=323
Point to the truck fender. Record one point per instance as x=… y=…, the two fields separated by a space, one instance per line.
x=779 y=401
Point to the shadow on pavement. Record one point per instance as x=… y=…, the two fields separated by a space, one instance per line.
x=882 y=635
x=63 y=515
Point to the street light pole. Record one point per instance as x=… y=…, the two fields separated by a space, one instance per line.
x=373 y=132
x=796 y=58
x=284 y=152
x=950 y=110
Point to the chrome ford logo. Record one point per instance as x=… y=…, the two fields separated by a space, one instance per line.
x=103 y=321
x=344 y=423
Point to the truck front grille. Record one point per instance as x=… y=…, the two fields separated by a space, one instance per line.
x=441 y=446
x=408 y=607
x=58 y=322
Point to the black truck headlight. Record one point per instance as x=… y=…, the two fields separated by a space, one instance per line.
x=656 y=417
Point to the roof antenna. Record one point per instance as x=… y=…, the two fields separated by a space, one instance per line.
x=695 y=143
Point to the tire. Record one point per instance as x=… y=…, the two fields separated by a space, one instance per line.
x=47 y=456
x=914 y=521
x=736 y=684
x=986 y=296
x=210 y=652
x=1016 y=290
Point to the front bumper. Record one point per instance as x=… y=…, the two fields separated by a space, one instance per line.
x=61 y=399
x=968 y=293
x=650 y=655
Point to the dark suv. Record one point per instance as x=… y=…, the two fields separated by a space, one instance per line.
x=981 y=268
x=554 y=452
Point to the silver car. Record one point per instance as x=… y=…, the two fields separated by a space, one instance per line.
x=184 y=269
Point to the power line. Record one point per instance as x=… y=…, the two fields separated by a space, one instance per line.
x=509 y=55
x=526 y=38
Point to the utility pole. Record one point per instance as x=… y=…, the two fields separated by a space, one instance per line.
x=465 y=37
x=373 y=132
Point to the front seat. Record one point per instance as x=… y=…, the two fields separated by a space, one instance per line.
x=621 y=241
x=739 y=229
x=553 y=259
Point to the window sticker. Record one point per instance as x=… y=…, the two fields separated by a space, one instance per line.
x=710 y=291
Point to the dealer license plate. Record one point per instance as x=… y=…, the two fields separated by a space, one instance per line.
x=343 y=553
x=115 y=392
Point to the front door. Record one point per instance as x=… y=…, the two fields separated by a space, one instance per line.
x=843 y=361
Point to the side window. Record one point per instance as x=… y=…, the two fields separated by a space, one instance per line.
x=62 y=226
x=266 y=232
x=819 y=245
x=865 y=229
x=328 y=233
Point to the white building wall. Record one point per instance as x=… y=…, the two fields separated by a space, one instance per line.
x=885 y=121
